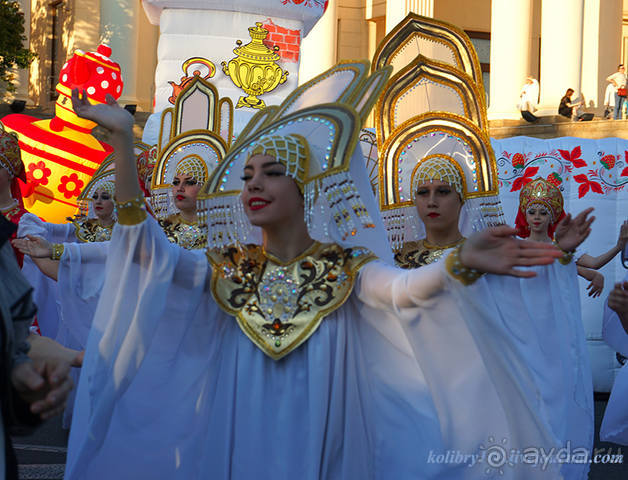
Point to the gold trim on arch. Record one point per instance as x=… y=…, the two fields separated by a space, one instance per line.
x=197 y=84
x=162 y=140
x=219 y=122
x=424 y=124
x=410 y=76
x=344 y=119
x=348 y=95
x=211 y=139
x=434 y=30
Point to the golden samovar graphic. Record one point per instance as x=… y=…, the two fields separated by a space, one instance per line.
x=254 y=69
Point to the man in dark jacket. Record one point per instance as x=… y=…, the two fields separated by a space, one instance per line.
x=34 y=382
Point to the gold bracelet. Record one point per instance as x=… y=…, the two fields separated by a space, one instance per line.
x=567 y=256
x=458 y=270
x=132 y=211
x=57 y=251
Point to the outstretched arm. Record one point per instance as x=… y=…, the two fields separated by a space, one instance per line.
x=598 y=262
x=48 y=267
x=496 y=250
x=119 y=123
x=41 y=251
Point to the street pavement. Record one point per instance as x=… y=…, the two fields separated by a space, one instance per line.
x=42 y=455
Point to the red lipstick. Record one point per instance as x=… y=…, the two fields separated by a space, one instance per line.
x=257 y=203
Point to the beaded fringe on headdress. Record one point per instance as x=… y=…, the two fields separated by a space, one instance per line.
x=226 y=223
x=404 y=225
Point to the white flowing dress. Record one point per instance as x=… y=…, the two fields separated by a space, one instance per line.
x=397 y=382
x=45 y=292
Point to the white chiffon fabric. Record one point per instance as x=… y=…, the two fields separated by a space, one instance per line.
x=615 y=422
x=541 y=323
x=171 y=388
x=65 y=308
x=80 y=280
x=45 y=294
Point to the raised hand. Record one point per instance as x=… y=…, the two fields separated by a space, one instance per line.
x=109 y=115
x=596 y=287
x=571 y=232
x=33 y=246
x=496 y=250
x=119 y=122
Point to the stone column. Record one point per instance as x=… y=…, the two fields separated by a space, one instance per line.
x=511 y=37
x=396 y=10
x=601 y=49
x=119 y=29
x=561 y=51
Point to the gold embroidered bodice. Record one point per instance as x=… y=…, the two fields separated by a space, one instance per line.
x=417 y=254
x=187 y=235
x=90 y=230
x=280 y=305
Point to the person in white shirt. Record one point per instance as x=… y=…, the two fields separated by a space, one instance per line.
x=618 y=80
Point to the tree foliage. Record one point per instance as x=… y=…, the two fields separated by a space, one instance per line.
x=12 y=51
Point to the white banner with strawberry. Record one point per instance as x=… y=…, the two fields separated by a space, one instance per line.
x=590 y=173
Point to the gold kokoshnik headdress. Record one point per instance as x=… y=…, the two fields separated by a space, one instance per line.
x=192 y=141
x=104 y=179
x=543 y=193
x=431 y=125
x=441 y=147
x=317 y=145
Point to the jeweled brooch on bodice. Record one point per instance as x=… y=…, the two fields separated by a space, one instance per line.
x=279 y=306
x=90 y=230
x=187 y=235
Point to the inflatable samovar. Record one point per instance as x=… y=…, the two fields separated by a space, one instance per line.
x=61 y=155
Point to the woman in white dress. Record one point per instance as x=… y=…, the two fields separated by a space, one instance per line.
x=65 y=306
x=541 y=314
x=540 y=212
x=90 y=228
x=67 y=254
x=284 y=359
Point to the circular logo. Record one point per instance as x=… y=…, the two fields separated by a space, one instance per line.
x=496 y=456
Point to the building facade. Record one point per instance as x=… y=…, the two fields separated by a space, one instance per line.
x=563 y=43
x=59 y=27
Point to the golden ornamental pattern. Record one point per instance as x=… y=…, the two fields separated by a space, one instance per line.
x=418 y=254
x=90 y=230
x=280 y=305
x=187 y=235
